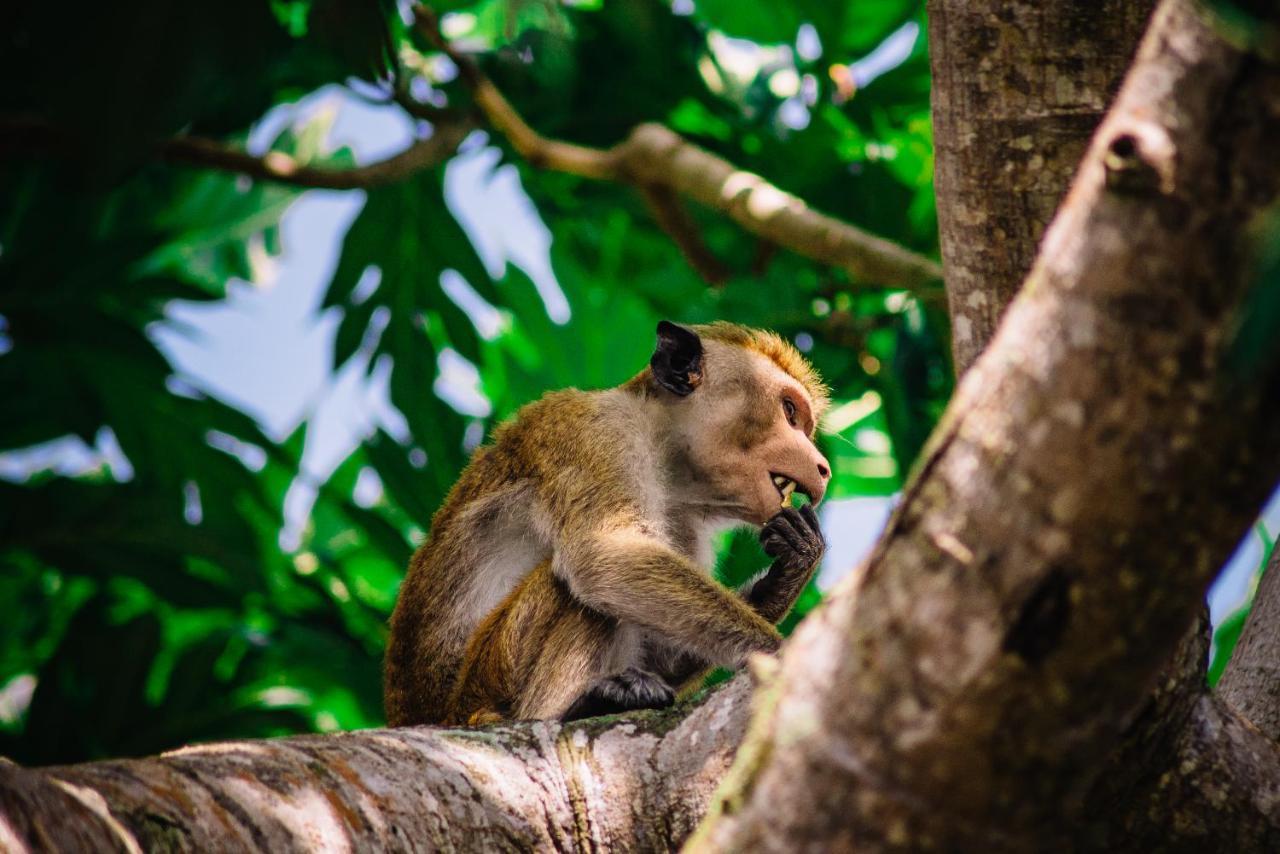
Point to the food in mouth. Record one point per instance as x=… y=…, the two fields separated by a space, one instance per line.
x=786 y=486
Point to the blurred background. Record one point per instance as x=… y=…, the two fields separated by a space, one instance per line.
x=232 y=405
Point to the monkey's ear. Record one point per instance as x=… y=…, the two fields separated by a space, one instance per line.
x=677 y=363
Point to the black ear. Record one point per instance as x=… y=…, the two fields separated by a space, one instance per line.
x=677 y=363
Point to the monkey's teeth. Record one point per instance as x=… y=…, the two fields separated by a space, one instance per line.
x=787 y=488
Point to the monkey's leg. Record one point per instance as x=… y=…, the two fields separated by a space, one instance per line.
x=573 y=657
x=504 y=648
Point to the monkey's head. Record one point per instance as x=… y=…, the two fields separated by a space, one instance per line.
x=744 y=406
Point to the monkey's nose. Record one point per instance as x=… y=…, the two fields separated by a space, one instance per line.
x=823 y=471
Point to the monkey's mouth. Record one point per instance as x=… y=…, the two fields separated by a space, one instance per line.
x=785 y=486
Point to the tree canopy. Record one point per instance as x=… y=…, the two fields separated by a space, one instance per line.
x=148 y=597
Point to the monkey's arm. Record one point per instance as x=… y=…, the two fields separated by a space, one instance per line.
x=794 y=541
x=632 y=576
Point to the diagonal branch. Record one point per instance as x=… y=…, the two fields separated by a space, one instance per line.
x=654 y=156
x=34 y=135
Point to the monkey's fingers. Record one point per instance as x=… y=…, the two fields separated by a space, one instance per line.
x=811 y=519
x=774 y=546
x=789 y=526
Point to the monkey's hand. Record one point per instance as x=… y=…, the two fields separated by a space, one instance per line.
x=794 y=541
x=631 y=689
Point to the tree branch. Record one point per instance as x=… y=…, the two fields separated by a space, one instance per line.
x=655 y=157
x=1215 y=786
x=34 y=135
x=1190 y=775
x=639 y=782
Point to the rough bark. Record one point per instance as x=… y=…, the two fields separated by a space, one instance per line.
x=1251 y=682
x=1018 y=89
x=1190 y=774
x=604 y=785
x=965 y=689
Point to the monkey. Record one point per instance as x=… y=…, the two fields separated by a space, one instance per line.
x=567 y=573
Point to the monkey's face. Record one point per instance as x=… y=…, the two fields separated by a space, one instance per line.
x=744 y=429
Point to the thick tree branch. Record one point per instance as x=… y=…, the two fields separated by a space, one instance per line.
x=1006 y=148
x=1213 y=786
x=1251 y=682
x=654 y=157
x=1189 y=775
x=1018 y=89
x=636 y=783
x=24 y=134
x=1097 y=464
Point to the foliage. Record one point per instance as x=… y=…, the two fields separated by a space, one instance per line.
x=151 y=598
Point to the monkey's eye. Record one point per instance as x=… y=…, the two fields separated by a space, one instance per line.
x=790 y=409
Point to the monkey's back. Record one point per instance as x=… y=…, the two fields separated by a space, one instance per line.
x=492 y=531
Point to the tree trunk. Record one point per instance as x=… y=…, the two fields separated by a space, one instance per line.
x=966 y=688
x=990 y=184
x=1018 y=89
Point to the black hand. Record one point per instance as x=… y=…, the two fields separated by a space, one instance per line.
x=794 y=538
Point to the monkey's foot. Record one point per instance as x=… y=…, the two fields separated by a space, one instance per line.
x=631 y=689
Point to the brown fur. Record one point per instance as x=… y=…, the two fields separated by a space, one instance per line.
x=576 y=544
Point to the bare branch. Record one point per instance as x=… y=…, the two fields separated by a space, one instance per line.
x=654 y=156
x=38 y=136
